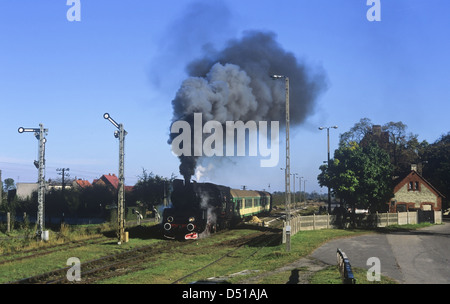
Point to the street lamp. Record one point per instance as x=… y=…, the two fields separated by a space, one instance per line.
x=300 y=188
x=328 y=161
x=120 y=134
x=294 y=177
x=287 y=177
x=39 y=133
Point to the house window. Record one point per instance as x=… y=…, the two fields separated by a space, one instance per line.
x=410 y=186
x=417 y=186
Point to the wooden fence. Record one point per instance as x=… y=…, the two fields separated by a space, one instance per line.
x=315 y=222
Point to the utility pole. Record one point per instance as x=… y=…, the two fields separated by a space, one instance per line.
x=121 y=196
x=166 y=204
x=304 y=188
x=288 y=165
x=294 y=177
x=1 y=188
x=300 y=189
x=62 y=172
x=40 y=135
x=328 y=161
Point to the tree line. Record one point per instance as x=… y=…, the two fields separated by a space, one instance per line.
x=370 y=157
x=92 y=201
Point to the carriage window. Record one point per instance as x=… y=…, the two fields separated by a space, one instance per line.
x=248 y=203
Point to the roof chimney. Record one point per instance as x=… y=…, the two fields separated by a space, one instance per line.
x=376 y=130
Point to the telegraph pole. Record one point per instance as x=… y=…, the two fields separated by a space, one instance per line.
x=1 y=188
x=121 y=196
x=287 y=177
x=328 y=161
x=40 y=135
x=62 y=172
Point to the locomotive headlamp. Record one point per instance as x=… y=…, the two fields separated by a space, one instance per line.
x=190 y=227
x=191 y=219
x=170 y=219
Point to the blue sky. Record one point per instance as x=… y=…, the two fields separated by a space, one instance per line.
x=128 y=58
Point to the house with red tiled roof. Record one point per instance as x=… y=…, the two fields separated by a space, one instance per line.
x=108 y=180
x=111 y=181
x=80 y=183
x=413 y=192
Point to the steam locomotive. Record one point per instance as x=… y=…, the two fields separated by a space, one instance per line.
x=206 y=207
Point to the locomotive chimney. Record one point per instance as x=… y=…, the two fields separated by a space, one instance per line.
x=187 y=181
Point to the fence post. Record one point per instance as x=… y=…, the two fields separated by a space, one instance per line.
x=284 y=233
x=314 y=221
x=8 y=222
x=295 y=225
x=293 y=220
x=328 y=221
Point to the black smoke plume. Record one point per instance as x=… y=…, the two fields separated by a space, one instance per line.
x=235 y=84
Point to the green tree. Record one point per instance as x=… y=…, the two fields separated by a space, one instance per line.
x=361 y=176
x=403 y=148
x=9 y=184
x=436 y=165
x=356 y=133
x=150 y=189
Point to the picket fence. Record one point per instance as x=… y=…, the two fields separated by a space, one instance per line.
x=315 y=222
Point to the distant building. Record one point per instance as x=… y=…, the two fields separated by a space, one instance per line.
x=413 y=192
x=25 y=190
x=80 y=183
x=377 y=135
x=56 y=185
x=111 y=181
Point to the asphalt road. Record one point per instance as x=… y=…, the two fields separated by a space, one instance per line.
x=417 y=257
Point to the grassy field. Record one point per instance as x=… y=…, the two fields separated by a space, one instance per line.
x=202 y=252
x=187 y=257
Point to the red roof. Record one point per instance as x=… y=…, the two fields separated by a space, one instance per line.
x=110 y=180
x=83 y=183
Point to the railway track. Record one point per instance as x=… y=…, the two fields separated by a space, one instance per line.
x=35 y=252
x=260 y=240
x=137 y=259
x=105 y=267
